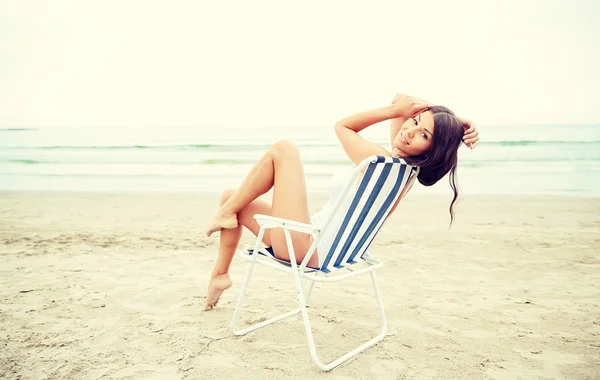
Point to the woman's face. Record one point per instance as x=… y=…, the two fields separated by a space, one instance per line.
x=415 y=136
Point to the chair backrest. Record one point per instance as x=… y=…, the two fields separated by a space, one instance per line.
x=383 y=181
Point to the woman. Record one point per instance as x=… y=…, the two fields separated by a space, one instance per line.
x=423 y=135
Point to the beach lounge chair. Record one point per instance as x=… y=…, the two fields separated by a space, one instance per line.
x=377 y=192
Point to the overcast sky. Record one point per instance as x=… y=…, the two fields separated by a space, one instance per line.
x=294 y=63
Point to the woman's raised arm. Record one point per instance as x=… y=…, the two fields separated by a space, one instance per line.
x=355 y=146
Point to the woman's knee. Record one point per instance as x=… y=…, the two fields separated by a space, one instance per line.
x=284 y=148
x=226 y=195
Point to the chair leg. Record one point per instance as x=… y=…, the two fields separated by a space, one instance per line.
x=240 y=301
x=310 y=288
x=238 y=308
x=380 y=304
x=311 y=343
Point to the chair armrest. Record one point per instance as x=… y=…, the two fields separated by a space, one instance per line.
x=266 y=221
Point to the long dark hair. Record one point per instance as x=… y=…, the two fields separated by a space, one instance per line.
x=442 y=157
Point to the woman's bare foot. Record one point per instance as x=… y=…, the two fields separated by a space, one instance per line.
x=222 y=220
x=218 y=284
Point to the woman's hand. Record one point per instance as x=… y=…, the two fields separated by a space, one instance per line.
x=406 y=106
x=471 y=136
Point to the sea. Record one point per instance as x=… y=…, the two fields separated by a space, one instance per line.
x=509 y=159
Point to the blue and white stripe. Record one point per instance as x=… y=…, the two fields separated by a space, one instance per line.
x=378 y=191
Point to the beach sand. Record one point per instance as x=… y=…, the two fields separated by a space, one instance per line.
x=112 y=286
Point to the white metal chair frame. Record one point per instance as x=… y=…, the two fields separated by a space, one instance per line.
x=305 y=278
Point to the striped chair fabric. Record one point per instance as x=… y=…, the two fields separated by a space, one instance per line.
x=377 y=193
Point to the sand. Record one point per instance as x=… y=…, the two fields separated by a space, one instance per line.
x=112 y=286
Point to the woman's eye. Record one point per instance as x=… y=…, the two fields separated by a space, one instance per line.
x=424 y=136
x=415 y=121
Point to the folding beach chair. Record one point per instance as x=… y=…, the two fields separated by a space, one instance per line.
x=377 y=192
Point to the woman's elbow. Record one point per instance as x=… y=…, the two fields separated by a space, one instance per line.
x=339 y=127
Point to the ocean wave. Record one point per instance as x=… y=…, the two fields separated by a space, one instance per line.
x=538 y=142
x=251 y=146
x=30 y=162
x=206 y=147
x=17 y=129
x=225 y=161
x=331 y=161
x=235 y=147
x=139 y=175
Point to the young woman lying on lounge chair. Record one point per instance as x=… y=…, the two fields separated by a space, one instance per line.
x=422 y=134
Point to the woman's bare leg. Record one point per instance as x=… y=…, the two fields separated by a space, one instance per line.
x=290 y=201
x=282 y=169
x=229 y=240
x=256 y=183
